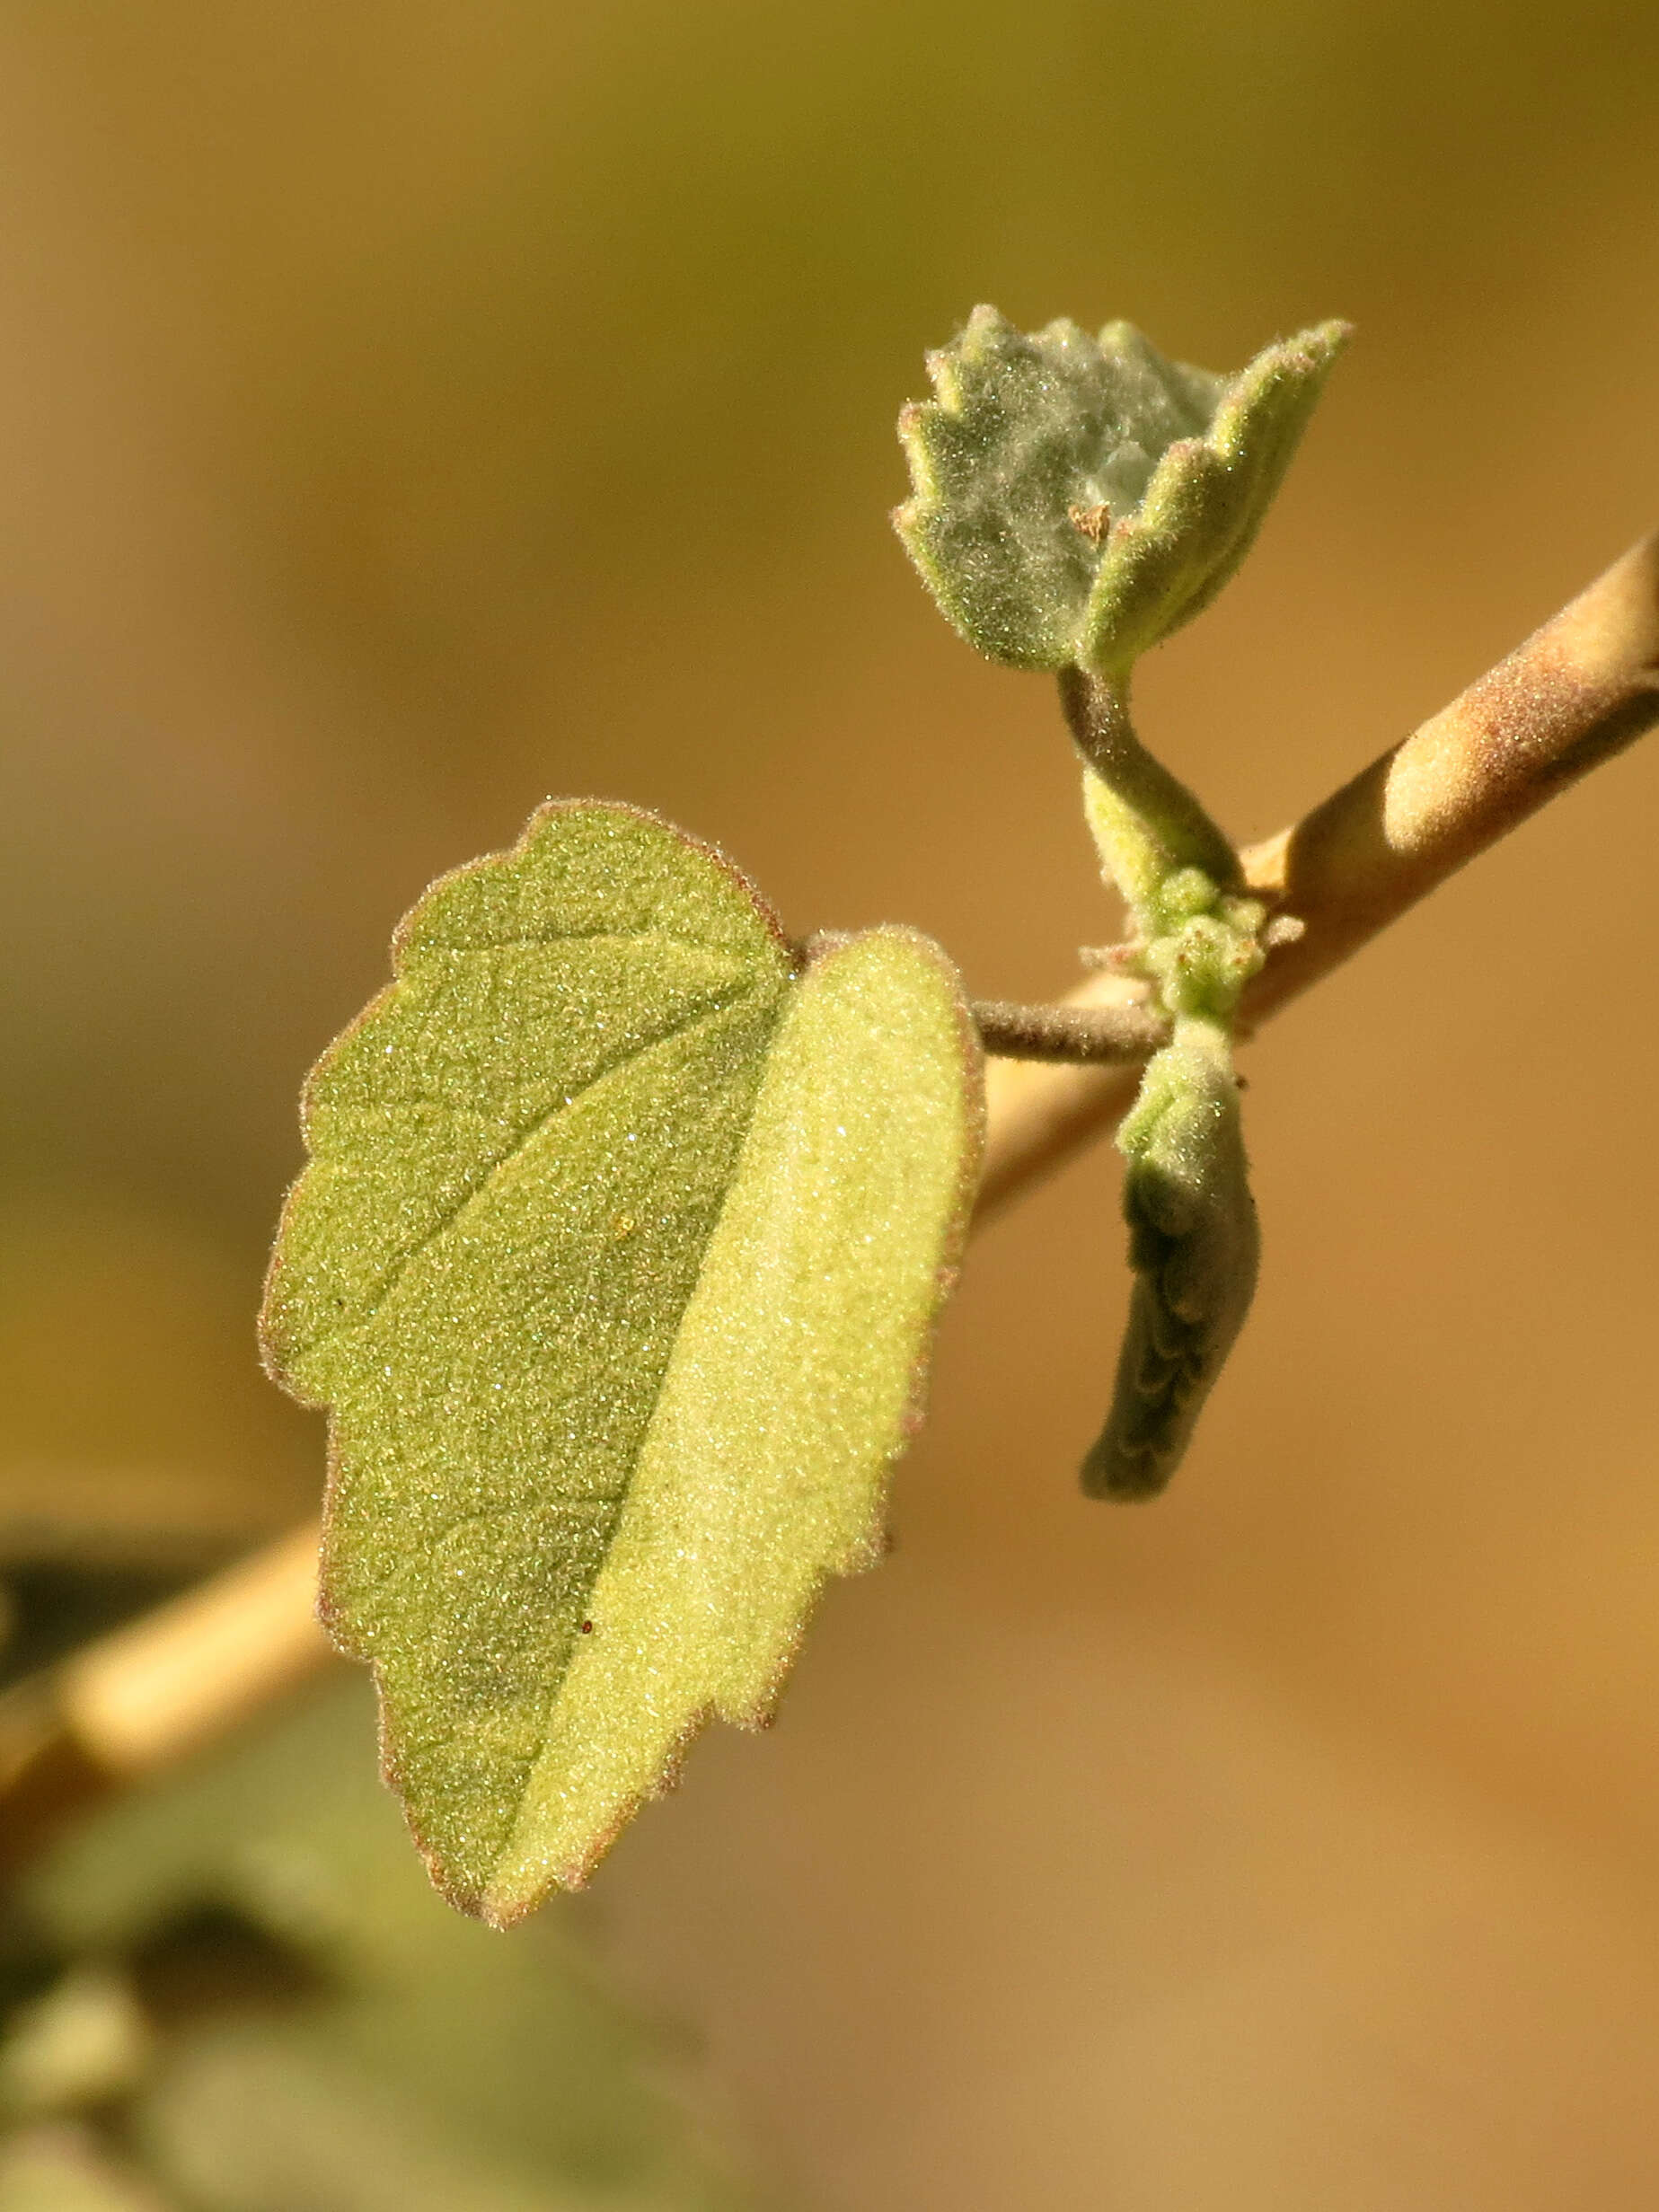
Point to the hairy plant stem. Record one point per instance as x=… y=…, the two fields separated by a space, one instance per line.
x=1146 y=822
x=1080 y=1036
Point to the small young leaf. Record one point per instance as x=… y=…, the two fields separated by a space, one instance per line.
x=1195 y=1246
x=1077 y=499
x=1166 y=560
x=616 y=1264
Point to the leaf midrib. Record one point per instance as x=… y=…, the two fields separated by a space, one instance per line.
x=547 y=1696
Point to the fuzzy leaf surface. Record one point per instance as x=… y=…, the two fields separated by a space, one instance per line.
x=616 y=1264
x=1078 y=498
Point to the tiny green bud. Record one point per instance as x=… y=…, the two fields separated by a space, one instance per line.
x=1188 y=890
x=1194 y=1246
x=1200 y=967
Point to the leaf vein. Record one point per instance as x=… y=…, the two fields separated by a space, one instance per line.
x=479 y=1189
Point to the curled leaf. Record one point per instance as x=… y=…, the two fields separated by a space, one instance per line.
x=1194 y=1246
x=615 y=1264
x=1078 y=498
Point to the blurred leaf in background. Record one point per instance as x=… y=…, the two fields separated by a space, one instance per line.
x=242 y=1982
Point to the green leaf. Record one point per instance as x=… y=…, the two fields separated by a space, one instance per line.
x=1077 y=499
x=616 y=1264
x=1195 y=1246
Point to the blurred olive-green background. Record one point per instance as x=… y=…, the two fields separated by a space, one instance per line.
x=410 y=411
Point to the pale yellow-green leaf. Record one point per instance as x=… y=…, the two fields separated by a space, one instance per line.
x=793 y=1384
x=615 y=1264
